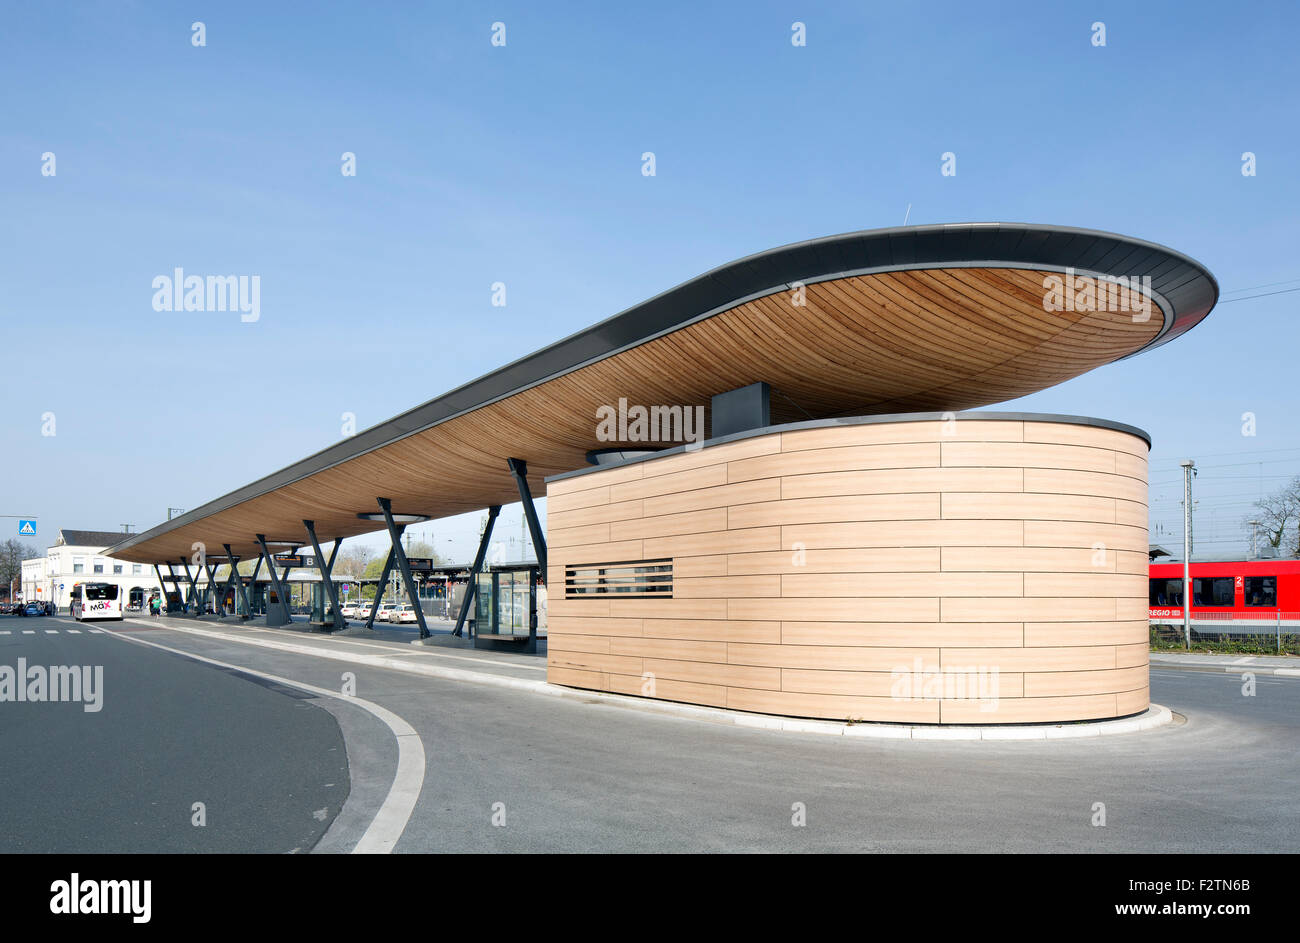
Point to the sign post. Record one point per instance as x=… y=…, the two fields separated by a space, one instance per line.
x=1188 y=468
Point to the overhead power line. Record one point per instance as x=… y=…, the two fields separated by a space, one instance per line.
x=1237 y=291
x=1264 y=294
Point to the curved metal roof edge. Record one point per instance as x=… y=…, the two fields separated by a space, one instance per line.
x=732 y=283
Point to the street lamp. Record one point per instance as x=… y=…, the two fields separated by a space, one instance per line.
x=1189 y=469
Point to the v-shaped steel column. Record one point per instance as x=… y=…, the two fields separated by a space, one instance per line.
x=252 y=581
x=383 y=579
x=194 y=587
x=472 y=588
x=403 y=564
x=275 y=577
x=217 y=608
x=519 y=469
x=325 y=569
x=243 y=590
x=176 y=588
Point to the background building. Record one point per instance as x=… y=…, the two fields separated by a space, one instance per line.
x=78 y=557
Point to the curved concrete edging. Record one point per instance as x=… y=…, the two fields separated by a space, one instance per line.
x=1154 y=716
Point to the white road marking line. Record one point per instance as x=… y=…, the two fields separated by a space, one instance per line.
x=96 y=631
x=395 y=811
x=51 y=631
x=29 y=631
x=6 y=632
x=74 y=631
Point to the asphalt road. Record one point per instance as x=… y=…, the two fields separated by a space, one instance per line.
x=573 y=775
x=268 y=765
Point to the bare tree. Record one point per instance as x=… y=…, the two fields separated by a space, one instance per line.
x=353 y=561
x=1279 y=516
x=422 y=548
x=12 y=554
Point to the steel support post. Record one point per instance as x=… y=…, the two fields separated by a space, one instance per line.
x=243 y=590
x=252 y=581
x=324 y=568
x=194 y=587
x=472 y=588
x=176 y=587
x=217 y=608
x=226 y=587
x=519 y=468
x=275 y=577
x=383 y=580
x=403 y=565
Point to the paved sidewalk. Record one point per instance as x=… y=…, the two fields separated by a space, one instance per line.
x=392 y=648
x=528 y=673
x=407 y=633
x=1282 y=665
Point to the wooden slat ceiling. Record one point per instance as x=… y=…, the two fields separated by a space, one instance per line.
x=921 y=339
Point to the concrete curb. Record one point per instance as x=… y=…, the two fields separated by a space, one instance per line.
x=1154 y=716
x=1220 y=668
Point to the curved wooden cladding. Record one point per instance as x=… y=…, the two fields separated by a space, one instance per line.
x=930 y=339
x=819 y=572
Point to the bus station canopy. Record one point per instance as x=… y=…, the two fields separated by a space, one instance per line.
x=914 y=319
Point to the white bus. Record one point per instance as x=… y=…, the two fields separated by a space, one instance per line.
x=96 y=601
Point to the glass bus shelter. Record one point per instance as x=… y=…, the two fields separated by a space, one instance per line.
x=505 y=607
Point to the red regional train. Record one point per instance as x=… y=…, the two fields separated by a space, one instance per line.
x=1231 y=596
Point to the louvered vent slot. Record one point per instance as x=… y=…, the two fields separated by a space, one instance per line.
x=622 y=578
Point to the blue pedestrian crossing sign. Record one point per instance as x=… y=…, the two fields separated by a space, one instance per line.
x=26 y=528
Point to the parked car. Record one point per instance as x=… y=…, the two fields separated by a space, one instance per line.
x=385 y=610
x=350 y=611
x=403 y=614
x=34 y=609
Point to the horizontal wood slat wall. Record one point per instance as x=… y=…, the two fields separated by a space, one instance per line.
x=977 y=571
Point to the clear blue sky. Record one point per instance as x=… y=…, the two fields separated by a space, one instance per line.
x=521 y=164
